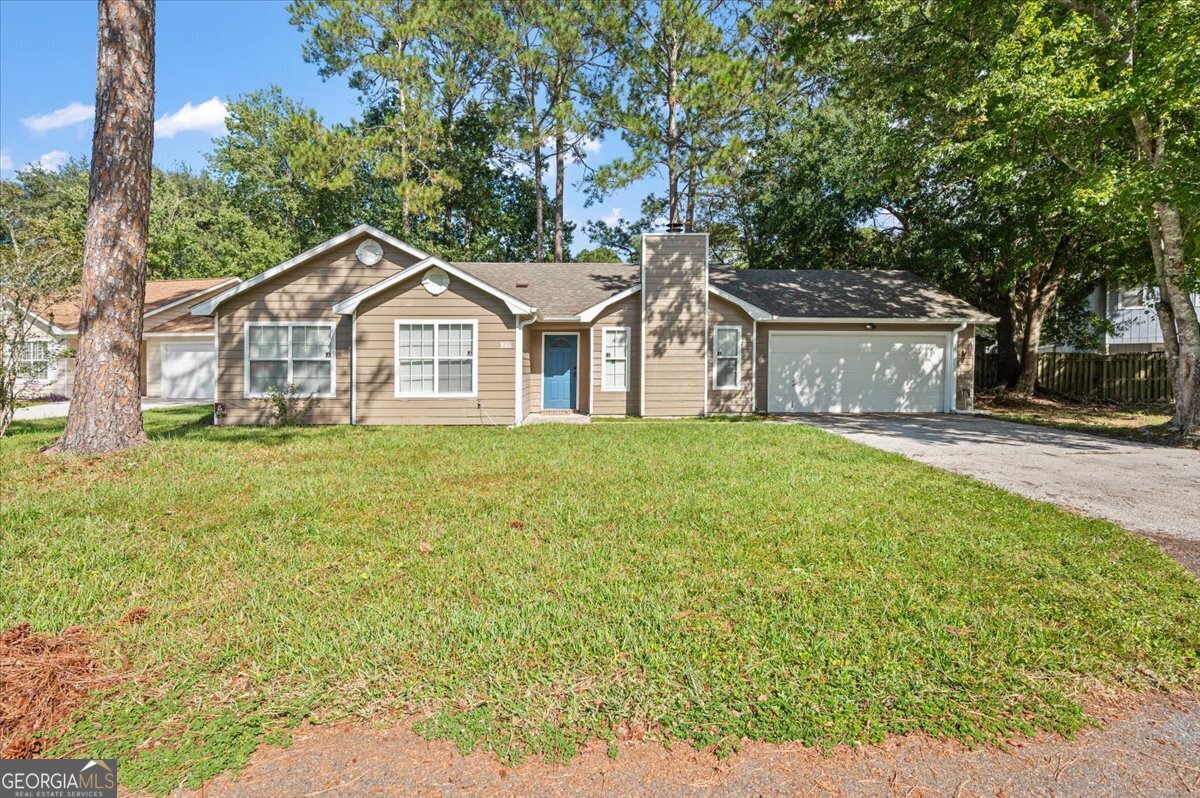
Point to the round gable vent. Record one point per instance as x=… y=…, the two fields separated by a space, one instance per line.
x=369 y=252
x=435 y=281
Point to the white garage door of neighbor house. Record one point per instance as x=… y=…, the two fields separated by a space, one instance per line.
x=189 y=371
x=878 y=372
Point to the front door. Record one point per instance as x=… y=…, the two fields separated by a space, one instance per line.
x=559 y=354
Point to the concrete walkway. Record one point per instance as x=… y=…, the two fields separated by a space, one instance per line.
x=59 y=409
x=1140 y=486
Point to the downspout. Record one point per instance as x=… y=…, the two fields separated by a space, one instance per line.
x=217 y=357
x=519 y=384
x=953 y=361
x=354 y=367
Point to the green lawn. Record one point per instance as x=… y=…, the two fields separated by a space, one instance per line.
x=524 y=591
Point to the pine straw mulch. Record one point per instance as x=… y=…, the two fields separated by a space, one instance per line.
x=44 y=679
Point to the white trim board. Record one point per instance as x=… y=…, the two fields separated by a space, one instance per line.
x=590 y=314
x=207 y=307
x=178 y=335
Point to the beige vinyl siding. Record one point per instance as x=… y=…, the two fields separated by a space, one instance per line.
x=675 y=293
x=626 y=313
x=535 y=347
x=964 y=389
x=724 y=313
x=304 y=293
x=495 y=354
x=764 y=338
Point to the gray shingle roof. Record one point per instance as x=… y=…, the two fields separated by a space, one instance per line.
x=829 y=294
x=557 y=288
x=570 y=288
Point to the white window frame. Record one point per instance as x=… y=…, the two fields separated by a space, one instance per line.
x=246 y=393
x=737 y=372
x=604 y=382
x=437 y=324
x=23 y=375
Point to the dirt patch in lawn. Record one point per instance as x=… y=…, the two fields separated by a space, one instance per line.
x=1144 y=744
x=1127 y=422
x=43 y=680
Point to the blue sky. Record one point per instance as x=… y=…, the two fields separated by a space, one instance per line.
x=205 y=49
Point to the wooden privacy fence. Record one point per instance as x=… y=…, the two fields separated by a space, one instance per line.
x=1134 y=377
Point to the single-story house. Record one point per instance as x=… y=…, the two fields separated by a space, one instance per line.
x=178 y=353
x=378 y=332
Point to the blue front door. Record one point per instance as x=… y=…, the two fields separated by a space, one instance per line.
x=559 y=353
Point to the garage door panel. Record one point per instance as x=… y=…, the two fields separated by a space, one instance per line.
x=886 y=373
x=189 y=371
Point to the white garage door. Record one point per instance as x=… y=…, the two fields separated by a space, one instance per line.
x=189 y=371
x=878 y=372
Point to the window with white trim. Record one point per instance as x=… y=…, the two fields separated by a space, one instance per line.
x=616 y=359
x=35 y=360
x=435 y=358
x=289 y=353
x=727 y=357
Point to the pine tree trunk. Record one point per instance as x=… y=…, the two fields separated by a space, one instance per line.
x=105 y=413
x=540 y=213
x=560 y=157
x=672 y=143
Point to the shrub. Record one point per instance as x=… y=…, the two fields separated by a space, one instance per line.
x=288 y=406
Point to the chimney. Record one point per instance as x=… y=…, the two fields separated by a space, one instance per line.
x=674 y=316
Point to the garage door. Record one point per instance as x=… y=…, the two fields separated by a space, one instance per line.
x=861 y=373
x=189 y=371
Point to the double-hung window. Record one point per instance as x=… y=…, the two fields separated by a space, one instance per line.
x=616 y=359
x=727 y=357
x=35 y=360
x=282 y=354
x=436 y=358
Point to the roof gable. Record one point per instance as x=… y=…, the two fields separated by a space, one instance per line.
x=349 y=305
x=208 y=307
x=161 y=295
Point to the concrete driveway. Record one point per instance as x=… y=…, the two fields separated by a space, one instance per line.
x=59 y=409
x=1154 y=490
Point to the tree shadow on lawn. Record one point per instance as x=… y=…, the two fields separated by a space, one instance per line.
x=178 y=423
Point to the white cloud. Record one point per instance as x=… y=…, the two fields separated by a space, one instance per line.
x=590 y=144
x=50 y=161
x=63 y=117
x=208 y=117
x=612 y=217
x=5 y=160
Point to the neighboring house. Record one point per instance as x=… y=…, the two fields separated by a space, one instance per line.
x=178 y=359
x=379 y=332
x=1131 y=310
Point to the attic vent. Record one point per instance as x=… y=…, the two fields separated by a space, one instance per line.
x=522 y=284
